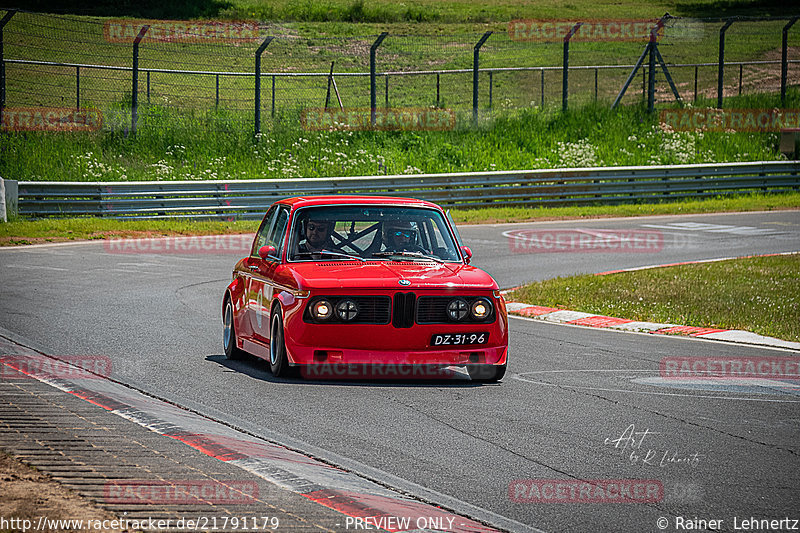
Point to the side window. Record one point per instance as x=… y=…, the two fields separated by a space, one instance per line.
x=263 y=231
x=278 y=230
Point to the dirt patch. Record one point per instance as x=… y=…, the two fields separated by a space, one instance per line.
x=27 y=494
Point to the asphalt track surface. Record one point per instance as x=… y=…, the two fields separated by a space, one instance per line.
x=565 y=410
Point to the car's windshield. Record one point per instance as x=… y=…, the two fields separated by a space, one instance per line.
x=372 y=233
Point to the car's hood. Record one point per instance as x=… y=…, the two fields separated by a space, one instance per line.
x=385 y=275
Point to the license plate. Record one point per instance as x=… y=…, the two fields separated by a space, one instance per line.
x=459 y=339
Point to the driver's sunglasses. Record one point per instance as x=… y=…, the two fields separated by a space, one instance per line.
x=406 y=234
x=317 y=227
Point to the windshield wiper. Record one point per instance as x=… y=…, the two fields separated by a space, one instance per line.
x=420 y=255
x=330 y=252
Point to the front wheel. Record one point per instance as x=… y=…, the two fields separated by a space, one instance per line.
x=486 y=373
x=278 y=361
x=229 y=334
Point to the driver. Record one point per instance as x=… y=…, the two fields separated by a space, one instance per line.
x=401 y=236
x=317 y=236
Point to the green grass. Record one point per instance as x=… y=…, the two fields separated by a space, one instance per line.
x=412 y=10
x=754 y=202
x=21 y=231
x=761 y=295
x=173 y=146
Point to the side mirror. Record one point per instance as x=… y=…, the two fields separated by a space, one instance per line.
x=266 y=251
x=467 y=253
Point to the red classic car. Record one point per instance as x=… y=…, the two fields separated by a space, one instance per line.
x=350 y=280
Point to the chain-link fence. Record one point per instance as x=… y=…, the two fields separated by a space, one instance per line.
x=192 y=71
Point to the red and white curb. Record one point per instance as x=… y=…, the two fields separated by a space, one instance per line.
x=577 y=318
x=325 y=484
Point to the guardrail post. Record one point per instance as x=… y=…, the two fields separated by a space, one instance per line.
x=721 y=67
x=135 y=87
x=258 y=83
x=785 y=58
x=9 y=199
x=372 y=85
x=565 y=66
x=3 y=23
x=475 y=61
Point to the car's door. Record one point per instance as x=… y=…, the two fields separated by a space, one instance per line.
x=260 y=286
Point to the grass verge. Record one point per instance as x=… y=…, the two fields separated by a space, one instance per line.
x=20 y=232
x=760 y=294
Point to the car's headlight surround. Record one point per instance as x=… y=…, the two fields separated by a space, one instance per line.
x=322 y=310
x=347 y=310
x=457 y=309
x=481 y=309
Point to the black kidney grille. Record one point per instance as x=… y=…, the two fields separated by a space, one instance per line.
x=433 y=310
x=403 y=313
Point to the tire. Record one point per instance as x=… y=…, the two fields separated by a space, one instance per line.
x=229 y=333
x=278 y=361
x=486 y=373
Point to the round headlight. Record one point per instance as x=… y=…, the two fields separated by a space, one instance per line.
x=457 y=310
x=347 y=310
x=322 y=310
x=481 y=309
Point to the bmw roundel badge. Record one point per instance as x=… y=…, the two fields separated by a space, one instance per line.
x=404 y=282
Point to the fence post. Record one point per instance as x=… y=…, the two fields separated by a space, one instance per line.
x=135 y=88
x=372 y=85
x=565 y=66
x=491 y=87
x=273 y=96
x=541 y=71
x=216 y=100
x=437 y=89
x=785 y=58
x=258 y=82
x=77 y=87
x=386 y=78
x=475 y=62
x=695 y=82
x=3 y=23
x=721 y=67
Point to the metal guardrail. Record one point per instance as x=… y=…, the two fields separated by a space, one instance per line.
x=251 y=198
